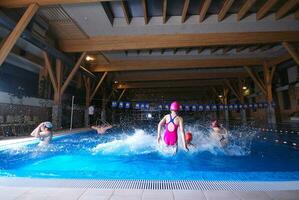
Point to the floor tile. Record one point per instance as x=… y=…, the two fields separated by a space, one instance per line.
x=128 y=192
x=157 y=195
x=188 y=195
x=9 y=193
x=252 y=195
x=223 y=195
x=53 y=193
x=284 y=195
x=97 y=194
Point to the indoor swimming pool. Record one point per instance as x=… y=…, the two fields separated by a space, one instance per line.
x=133 y=154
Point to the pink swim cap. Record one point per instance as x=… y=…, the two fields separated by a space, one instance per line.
x=175 y=106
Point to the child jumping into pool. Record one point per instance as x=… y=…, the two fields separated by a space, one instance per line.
x=172 y=123
x=103 y=127
x=219 y=133
x=43 y=132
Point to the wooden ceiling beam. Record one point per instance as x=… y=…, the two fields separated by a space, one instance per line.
x=292 y=51
x=214 y=49
x=73 y=72
x=159 y=76
x=204 y=9
x=267 y=47
x=225 y=8
x=188 y=50
x=286 y=8
x=200 y=50
x=140 y=65
x=170 y=90
x=254 y=48
x=7 y=44
x=256 y=79
x=25 y=3
x=185 y=10
x=98 y=86
x=175 y=50
x=104 y=58
x=264 y=10
x=169 y=84
x=227 y=49
x=280 y=59
x=145 y=11
x=245 y=8
x=125 y=9
x=242 y=48
x=132 y=42
x=164 y=11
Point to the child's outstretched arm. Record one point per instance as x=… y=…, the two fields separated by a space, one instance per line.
x=37 y=130
x=161 y=123
x=182 y=130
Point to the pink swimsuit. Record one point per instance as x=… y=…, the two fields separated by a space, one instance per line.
x=170 y=137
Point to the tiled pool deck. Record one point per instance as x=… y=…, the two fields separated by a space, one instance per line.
x=35 y=193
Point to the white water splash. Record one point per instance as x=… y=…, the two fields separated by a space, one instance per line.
x=142 y=142
x=139 y=143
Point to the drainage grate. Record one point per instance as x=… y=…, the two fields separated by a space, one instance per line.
x=151 y=185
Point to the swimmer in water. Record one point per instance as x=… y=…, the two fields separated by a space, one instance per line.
x=172 y=123
x=188 y=139
x=219 y=133
x=44 y=133
x=101 y=129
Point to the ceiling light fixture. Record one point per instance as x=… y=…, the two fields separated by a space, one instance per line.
x=89 y=58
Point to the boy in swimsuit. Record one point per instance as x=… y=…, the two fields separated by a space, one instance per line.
x=219 y=133
x=172 y=123
x=101 y=129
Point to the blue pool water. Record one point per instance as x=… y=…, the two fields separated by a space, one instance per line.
x=134 y=154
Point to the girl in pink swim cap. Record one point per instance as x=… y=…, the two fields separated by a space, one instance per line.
x=172 y=123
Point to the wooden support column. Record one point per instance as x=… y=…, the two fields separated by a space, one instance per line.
x=292 y=51
x=57 y=107
x=12 y=38
x=268 y=76
x=56 y=83
x=59 y=74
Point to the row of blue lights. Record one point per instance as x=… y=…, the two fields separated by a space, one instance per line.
x=199 y=107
